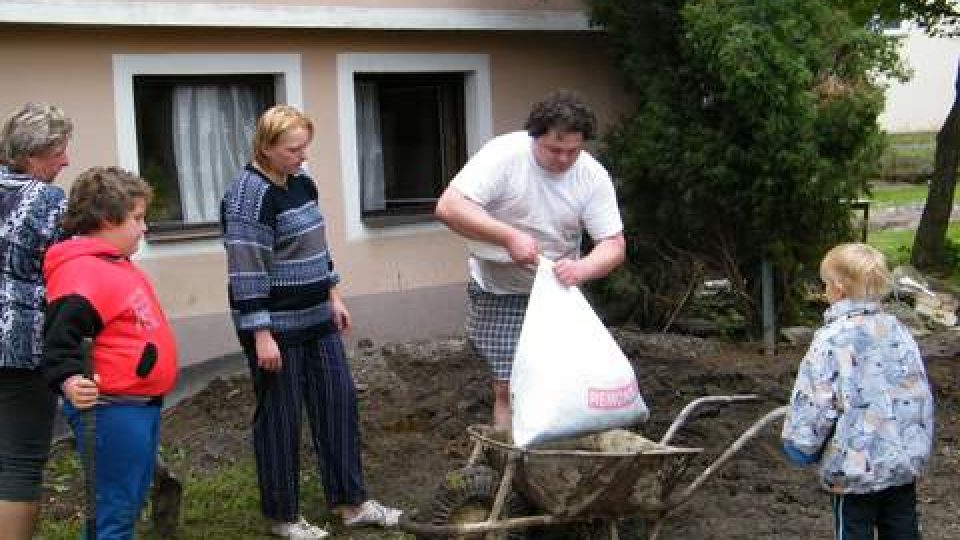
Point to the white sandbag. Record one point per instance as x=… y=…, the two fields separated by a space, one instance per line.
x=569 y=375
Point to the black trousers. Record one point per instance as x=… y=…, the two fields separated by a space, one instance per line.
x=27 y=408
x=892 y=513
x=315 y=376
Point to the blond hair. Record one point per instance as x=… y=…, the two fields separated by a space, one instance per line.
x=273 y=123
x=858 y=269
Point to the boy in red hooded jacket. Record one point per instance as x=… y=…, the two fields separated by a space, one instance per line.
x=94 y=291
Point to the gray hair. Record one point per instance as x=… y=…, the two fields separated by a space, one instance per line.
x=33 y=130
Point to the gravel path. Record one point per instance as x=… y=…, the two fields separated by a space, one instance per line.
x=901 y=217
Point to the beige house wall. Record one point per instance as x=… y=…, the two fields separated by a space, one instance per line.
x=399 y=287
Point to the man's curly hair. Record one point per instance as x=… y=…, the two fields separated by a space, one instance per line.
x=564 y=112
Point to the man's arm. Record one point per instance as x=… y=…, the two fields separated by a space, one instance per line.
x=469 y=219
x=605 y=256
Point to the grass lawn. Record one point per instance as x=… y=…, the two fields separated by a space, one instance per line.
x=222 y=503
x=898 y=194
x=885 y=195
x=896 y=245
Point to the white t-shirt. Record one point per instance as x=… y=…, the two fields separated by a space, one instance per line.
x=506 y=180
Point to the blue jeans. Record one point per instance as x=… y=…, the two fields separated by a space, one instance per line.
x=891 y=512
x=127 y=440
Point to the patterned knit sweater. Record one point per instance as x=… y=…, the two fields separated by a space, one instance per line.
x=30 y=212
x=279 y=267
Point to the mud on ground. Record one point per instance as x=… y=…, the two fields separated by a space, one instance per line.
x=417 y=399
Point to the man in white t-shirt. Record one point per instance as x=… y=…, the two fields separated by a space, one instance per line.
x=526 y=194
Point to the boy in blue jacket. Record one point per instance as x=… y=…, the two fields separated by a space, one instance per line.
x=861 y=406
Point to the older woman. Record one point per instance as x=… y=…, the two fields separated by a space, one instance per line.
x=289 y=315
x=33 y=150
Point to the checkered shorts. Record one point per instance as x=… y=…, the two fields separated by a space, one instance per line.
x=493 y=326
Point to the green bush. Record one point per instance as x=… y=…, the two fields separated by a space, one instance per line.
x=755 y=124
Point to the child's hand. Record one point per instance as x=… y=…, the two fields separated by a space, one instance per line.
x=81 y=391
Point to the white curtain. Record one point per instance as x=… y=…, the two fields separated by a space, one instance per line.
x=370 y=147
x=213 y=128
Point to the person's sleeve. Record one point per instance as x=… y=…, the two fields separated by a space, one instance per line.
x=812 y=412
x=795 y=456
x=333 y=277
x=67 y=321
x=248 y=241
x=601 y=214
x=54 y=217
x=917 y=410
x=481 y=179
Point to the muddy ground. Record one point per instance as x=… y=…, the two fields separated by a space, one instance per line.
x=417 y=399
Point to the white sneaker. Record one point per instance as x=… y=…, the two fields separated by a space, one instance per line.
x=373 y=513
x=298 y=530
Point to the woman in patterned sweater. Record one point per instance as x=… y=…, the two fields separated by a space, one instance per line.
x=33 y=150
x=289 y=316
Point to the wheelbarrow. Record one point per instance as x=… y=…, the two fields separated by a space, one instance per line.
x=593 y=481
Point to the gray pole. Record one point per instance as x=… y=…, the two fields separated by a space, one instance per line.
x=769 y=319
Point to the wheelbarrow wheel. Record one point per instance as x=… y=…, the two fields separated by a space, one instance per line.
x=467 y=496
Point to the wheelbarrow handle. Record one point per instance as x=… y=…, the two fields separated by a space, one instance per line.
x=735 y=447
x=460 y=529
x=688 y=410
x=89 y=416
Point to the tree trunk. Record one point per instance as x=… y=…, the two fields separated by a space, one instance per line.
x=929 y=246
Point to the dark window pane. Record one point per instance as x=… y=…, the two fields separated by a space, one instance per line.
x=158 y=133
x=412 y=132
x=422 y=138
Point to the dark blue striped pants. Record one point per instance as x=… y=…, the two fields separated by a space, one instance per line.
x=316 y=375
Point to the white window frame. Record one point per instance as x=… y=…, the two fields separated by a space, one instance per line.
x=287 y=68
x=478 y=119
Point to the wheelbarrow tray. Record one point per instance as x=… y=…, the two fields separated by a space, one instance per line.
x=605 y=475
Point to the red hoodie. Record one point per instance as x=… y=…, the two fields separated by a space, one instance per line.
x=94 y=291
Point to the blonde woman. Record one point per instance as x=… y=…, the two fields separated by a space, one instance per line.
x=289 y=317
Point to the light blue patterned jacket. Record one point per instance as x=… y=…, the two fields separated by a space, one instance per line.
x=861 y=402
x=30 y=212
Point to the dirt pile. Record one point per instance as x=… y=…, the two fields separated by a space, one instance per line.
x=418 y=398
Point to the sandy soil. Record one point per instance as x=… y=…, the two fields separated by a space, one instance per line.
x=418 y=398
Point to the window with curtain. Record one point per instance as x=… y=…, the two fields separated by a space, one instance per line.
x=193 y=135
x=411 y=141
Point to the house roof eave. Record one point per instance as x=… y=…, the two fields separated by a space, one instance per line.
x=251 y=15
